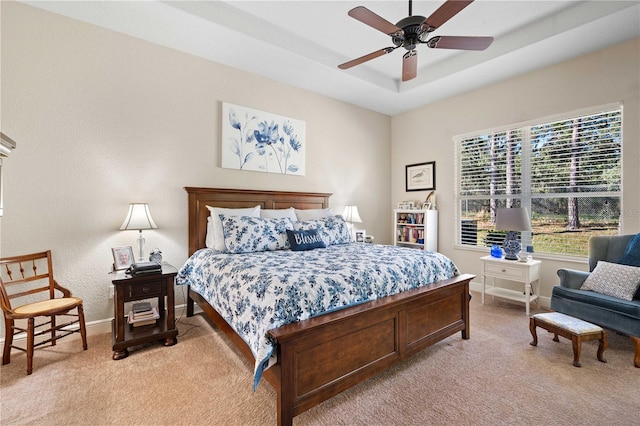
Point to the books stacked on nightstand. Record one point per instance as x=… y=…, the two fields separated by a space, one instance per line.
x=143 y=313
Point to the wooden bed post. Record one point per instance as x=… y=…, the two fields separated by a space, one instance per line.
x=285 y=390
x=465 y=309
x=190 y=303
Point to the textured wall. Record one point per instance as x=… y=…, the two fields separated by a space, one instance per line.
x=102 y=120
x=608 y=76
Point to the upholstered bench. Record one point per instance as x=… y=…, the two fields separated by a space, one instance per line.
x=571 y=328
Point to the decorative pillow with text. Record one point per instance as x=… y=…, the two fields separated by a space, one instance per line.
x=305 y=240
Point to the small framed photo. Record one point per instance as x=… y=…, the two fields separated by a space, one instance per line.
x=421 y=176
x=360 y=236
x=122 y=257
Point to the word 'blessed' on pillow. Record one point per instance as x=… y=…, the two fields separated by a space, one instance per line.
x=305 y=240
x=612 y=279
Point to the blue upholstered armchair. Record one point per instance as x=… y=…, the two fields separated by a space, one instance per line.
x=605 y=310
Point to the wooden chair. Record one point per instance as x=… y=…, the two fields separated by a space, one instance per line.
x=29 y=278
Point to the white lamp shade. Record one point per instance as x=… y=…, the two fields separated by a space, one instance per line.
x=138 y=218
x=515 y=219
x=351 y=215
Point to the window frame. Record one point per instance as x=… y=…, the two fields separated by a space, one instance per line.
x=525 y=196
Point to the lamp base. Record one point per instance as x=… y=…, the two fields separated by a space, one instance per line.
x=511 y=246
x=141 y=242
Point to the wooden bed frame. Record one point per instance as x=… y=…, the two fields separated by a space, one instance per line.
x=323 y=356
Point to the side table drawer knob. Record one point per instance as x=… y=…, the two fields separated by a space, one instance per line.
x=146 y=289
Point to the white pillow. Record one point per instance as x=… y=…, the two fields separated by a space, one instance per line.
x=613 y=279
x=218 y=234
x=210 y=238
x=313 y=214
x=278 y=214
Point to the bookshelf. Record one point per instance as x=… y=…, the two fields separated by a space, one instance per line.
x=416 y=229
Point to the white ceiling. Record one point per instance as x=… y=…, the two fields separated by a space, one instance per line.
x=302 y=42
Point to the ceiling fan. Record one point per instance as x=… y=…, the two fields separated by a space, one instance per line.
x=413 y=30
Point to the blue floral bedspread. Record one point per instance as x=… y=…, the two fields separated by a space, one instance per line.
x=257 y=292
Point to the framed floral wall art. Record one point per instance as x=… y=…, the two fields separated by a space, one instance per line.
x=421 y=176
x=261 y=141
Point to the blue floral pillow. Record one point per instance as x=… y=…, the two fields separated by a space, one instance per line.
x=333 y=229
x=244 y=234
x=305 y=240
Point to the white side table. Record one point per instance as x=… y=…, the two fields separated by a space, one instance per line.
x=512 y=270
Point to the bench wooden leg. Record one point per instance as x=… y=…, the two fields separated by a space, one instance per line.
x=576 y=342
x=532 y=328
x=602 y=347
x=636 y=358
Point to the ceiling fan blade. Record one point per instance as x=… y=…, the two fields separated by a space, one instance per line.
x=366 y=58
x=459 y=42
x=409 y=65
x=366 y=16
x=445 y=12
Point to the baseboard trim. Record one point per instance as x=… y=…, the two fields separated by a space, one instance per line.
x=477 y=288
x=103 y=326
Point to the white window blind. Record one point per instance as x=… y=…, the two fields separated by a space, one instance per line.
x=565 y=170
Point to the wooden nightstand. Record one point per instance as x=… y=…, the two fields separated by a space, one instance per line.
x=129 y=289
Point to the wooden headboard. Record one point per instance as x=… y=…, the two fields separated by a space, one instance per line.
x=200 y=198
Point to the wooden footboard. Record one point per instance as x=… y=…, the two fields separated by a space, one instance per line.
x=323 y=356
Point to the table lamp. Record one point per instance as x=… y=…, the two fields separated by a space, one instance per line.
x=351 y=216
x=139 y=218
x=511 y=220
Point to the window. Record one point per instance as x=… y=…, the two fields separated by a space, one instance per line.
x=566 y=171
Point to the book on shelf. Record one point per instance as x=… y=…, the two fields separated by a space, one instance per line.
x=143 y=318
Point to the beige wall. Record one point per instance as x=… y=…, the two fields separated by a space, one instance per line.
x=426 y=134
x=102 y=120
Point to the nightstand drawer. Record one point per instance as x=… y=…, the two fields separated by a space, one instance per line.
x=505 y=271
x=144 y=290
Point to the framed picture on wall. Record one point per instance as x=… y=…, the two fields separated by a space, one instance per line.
x=421 y=176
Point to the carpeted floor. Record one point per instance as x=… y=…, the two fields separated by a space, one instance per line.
x=496 y=377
